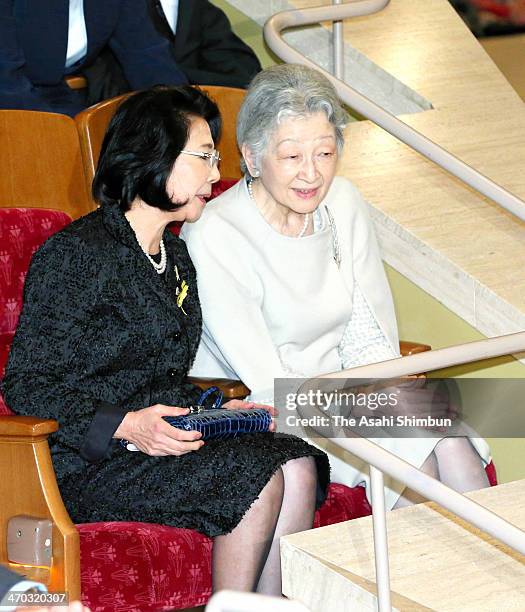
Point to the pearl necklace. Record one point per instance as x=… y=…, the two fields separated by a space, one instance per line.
x=306 y=216
x=160 y=267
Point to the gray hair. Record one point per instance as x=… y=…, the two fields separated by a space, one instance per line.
x=279 y=92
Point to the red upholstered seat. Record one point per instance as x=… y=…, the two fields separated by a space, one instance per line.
x=131 y=567
x=216 y=190
x=138 y=567
x=5 y=343
x=22 y=231
x=222 y=185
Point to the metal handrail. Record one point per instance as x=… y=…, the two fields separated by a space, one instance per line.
x=377 y=487
x=370 y=110
x=382 y=461
x=437 y=359
x=339 y=46
x=379 y=459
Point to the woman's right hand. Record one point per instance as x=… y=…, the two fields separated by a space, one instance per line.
x=152 y=435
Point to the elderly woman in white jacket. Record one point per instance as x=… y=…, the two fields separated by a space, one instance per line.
x=289 y=272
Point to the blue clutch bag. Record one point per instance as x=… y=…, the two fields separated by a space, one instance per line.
x=215 y=422
x=220 y=423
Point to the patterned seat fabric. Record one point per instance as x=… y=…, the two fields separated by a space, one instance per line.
x=132 y=567
x=5 y=343
x=138 y=567
x=22 y=231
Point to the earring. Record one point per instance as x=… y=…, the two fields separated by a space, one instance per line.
x=255 y=173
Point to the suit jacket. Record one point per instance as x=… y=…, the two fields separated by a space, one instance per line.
x=101 y=334
x=204 y=45
x=33 y=44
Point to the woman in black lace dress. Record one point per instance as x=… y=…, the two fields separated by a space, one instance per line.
x=110 y=326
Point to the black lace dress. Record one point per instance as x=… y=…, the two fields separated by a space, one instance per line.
x=102 y=334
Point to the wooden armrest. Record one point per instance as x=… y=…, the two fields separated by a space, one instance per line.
x=76 y=82
x=412 y=348
x=28 y=486
x=232 y=389
x=236 y=389
x=12 y=425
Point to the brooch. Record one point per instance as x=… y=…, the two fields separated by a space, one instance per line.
x=181 y=290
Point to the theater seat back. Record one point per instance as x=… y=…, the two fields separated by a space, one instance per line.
x=92 y=124
x=22 y=232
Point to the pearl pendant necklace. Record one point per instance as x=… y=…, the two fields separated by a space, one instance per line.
x=160 y=267
x=306 y=216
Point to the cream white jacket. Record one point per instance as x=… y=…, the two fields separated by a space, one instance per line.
x=274 y=305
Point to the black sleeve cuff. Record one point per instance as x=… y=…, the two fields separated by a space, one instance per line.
x=97 y=443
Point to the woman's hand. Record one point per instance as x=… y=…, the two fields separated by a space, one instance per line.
x=236 y=404
x=416 y=397
x=152 y=435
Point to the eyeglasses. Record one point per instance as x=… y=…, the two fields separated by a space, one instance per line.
x=213 y=157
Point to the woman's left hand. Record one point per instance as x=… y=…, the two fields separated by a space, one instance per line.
x=236 y=404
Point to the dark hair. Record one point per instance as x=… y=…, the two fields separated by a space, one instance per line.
x=144 y=139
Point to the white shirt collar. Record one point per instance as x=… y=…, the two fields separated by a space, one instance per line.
x=171 y=10
x=77 y=34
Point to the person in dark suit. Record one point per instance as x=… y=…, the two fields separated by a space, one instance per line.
x=34 y=50
x=201 y=41
x=110 y=325
x=204 y=45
